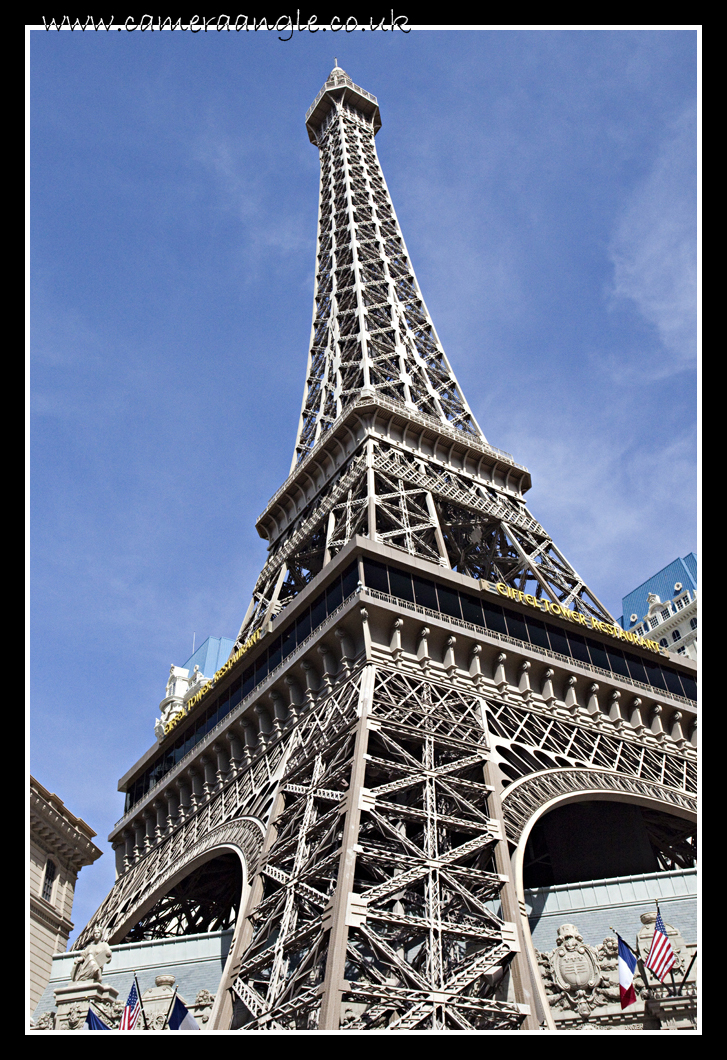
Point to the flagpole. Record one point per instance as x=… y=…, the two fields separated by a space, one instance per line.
x=612 y=928
x=687 y=973
x=141 y=1003
x=169 y=1012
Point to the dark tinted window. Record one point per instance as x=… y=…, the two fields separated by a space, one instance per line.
x=274 y=653
x=636 y=668
x=288 y=642
x=578 y=647
x=618 y=662
x=672 y=681
x=375 y=575
x=689 y=685
x=471 y=609
x=400 y=583
x=598 y=654
x=318 y=611
x=424 y=593
x=558 y=640
x=537 y=631
x=494 y=618
x=654 y=675
x=516 y=625
x=449 y=601
x=334 y=596
x=349 y=579
x=302 y=627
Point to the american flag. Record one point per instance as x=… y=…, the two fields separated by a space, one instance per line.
x=661 y=955
x=132 y=1010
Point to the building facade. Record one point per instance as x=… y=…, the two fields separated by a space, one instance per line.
x=428 y=719
x=665 y=607
x=60 y=845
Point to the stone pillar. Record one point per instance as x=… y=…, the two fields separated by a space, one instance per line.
x=500 y=677
x=450 y=663
x=251 y=741
x=657 y=729
x=677 y=733
x=281 y=714
x=185 y=796
x=330 y=667
x=237 y=752
x=547 y=691
x=210 y=780
x=139 y=827
x=423 y=657
x=149 y=823
x=297 y=700
x=636 y=721
x=129 y=840
x=311 y=681
x=614 y=709
x=524 y=681
x=395 y=640
x=571 y=699
x=475 y=665
x=347 y=649
x=223 y=763
x=172 y=796
x=265 y=726
x=119 y=849
x=593 y=706
x=197 y=786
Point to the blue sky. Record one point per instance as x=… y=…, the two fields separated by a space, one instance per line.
x=545 y=183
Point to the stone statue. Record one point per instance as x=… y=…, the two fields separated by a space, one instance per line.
x=575 y=972
x=90 y=963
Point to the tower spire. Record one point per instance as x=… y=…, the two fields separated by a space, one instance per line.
x=387 y=447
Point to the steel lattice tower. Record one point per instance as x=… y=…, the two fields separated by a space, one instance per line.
x=386 y=728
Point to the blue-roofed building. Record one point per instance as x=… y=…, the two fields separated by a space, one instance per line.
x=664 y=607
x=210 y=655
x=184 y=681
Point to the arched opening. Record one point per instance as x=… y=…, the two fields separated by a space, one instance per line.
x=594 y=839
x=206 y=900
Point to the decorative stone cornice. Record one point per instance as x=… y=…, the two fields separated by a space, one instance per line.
x=64 y=834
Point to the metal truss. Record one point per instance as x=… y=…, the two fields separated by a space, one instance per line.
x=372 y=337
x=377 y=889
x=371 y=329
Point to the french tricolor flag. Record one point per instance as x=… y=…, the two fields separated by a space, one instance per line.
x=626 y=966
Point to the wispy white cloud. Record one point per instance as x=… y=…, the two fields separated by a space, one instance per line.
x=653 y=249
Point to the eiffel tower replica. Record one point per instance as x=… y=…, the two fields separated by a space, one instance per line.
x=421 y=675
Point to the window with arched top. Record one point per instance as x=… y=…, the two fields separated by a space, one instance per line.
x=664 y=642
x=693 y=623
x=50 y=875
x=676 y=635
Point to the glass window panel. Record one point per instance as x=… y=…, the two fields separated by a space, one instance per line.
x=471 y=609
x=425 y=593
x=494 y=618
x=349 y=579
x=690 y=686
x=449 y=601
x=318 y=611
x=248 y=680
x=558 y=640
x=598 y=654
x=274 y=654
x=578 y=647
x=538 y=632
x=288 y=642
x=654 y=675
x=261 y=668
x=375 y=575
x=400 y=582
x=516 y=625
x=617 y=661
x=235 y=692
x=672 y=681
x=302 y=627
x=334 y=596
x=636 y=668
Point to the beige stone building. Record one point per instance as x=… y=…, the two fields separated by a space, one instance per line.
x=60 y=845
